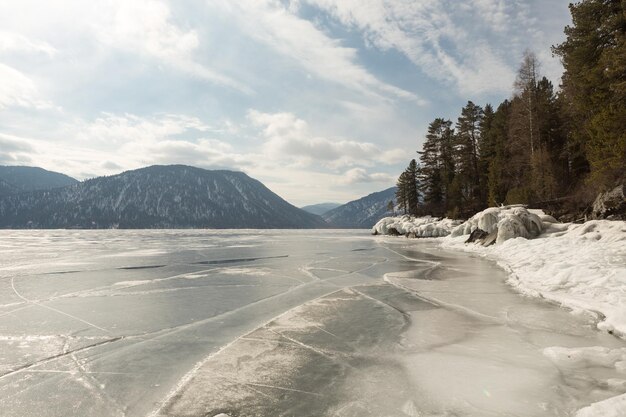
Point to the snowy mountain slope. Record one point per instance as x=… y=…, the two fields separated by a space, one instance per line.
x=7 y=188
x=20 y=178
x=174 y=196
x=321 y=208
x=362 y=213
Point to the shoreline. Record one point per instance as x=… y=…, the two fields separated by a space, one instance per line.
x=578 y=266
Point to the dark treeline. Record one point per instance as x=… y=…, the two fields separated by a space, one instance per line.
x=542 y=145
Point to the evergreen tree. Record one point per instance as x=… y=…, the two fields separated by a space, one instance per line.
x=548 y=163
x=436 y=170
x=594 y=58
x=497 y=136
x=466 y=157
x=412 y=193
x=407 y=194
x=401 y=192
x=486 y=151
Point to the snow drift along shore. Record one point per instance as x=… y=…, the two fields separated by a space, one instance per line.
x=426 y=226
x=580 y=266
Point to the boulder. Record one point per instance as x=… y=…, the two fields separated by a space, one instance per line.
x=610 y=205
x=477 y=234
x=392 y=231
x=490 y=239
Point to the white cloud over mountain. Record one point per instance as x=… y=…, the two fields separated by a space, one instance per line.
x=320 y=99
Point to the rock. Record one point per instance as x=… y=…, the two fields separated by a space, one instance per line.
x=477 y=234
x=411 y=235
x=490 y=239
x=611 y=204
x=392 y=231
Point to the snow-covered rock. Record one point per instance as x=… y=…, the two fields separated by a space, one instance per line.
x=509 y=221
x=426 y=226
x=610 y=204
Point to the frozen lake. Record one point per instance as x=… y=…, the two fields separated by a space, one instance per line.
x=278 y=323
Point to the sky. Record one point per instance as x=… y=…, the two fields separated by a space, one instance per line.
x=321 y=100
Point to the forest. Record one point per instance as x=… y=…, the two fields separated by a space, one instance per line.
x=545 y=146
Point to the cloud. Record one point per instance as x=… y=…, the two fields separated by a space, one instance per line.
x=204 y=153
x=290 y=139
x=15 y=150
x=111 y=143
x=16 y=89
x=360 y=175
x=448 y=41
x=114 y=129
x=145 y=27
x=273 y=24
x=15 y=42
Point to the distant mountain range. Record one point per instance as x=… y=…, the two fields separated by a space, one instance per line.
x=15 y=179
x=321 y=208
x=174 y=196
x=362 y=213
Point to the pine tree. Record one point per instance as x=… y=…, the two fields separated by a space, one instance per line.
x=497 y=136
x=436 y=170
x=401 y=192
x=466 y=157
x=486 y=151
x=412 y=193
x=594 y=84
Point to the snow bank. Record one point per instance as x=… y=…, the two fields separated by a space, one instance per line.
x=612 y=407
x=580 y=266
x=426 y=226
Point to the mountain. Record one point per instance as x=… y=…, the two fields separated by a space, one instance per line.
x=15 y=179
x=321 y=208
x=362 y=213
x=6 y=188
x=174 y=196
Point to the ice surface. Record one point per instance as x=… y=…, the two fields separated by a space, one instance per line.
x=269 y=323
